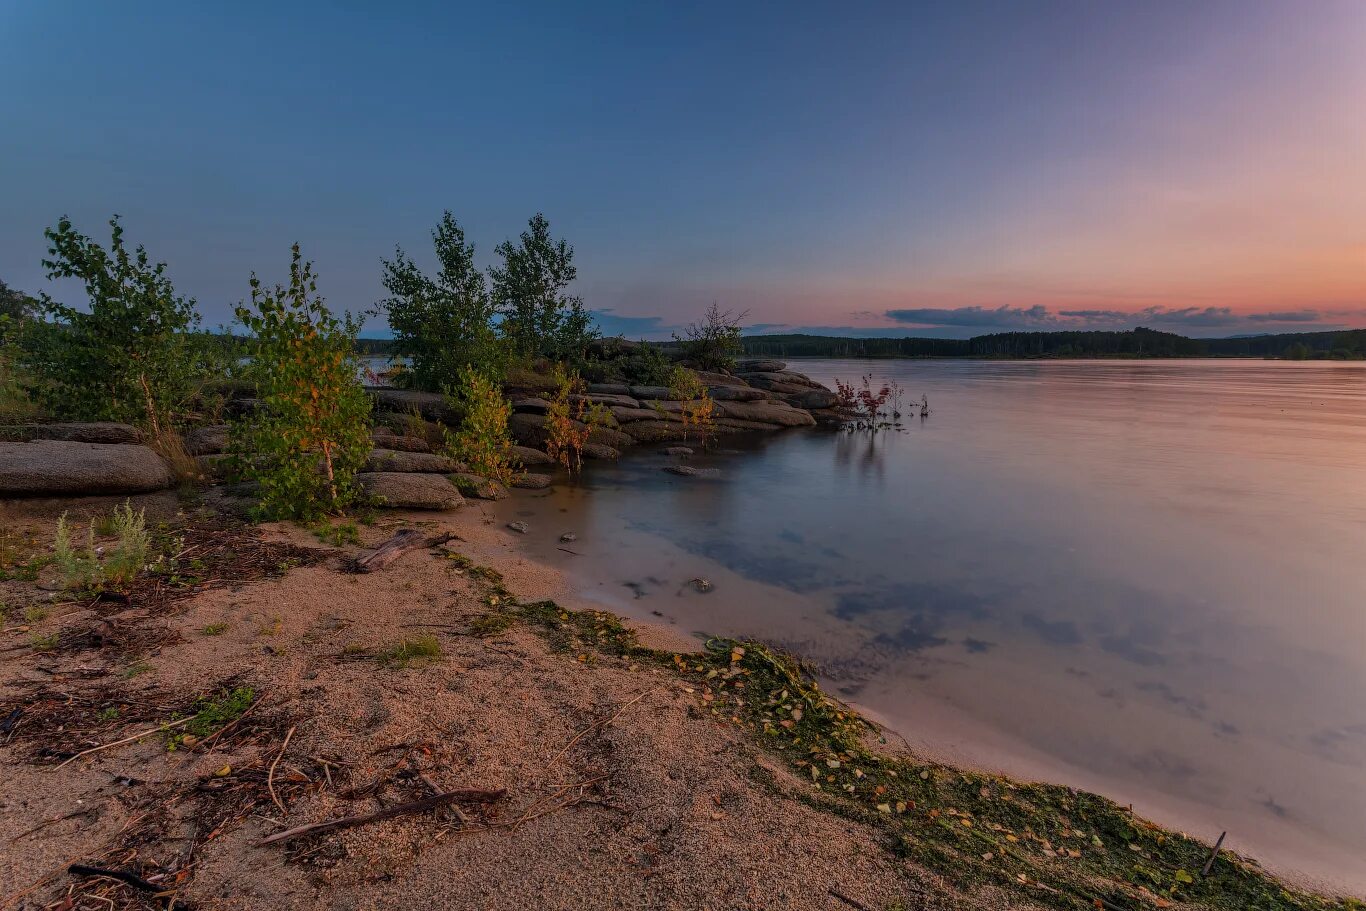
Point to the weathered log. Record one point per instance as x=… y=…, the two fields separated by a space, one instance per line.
x=404 y=540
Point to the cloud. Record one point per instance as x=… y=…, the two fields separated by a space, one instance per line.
x=1039 y=318
x=1286 y=316
x=1031 y=317
x=633 y=327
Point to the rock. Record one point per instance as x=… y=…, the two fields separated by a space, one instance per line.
x=678 y=452
x=528 y=456
x=733 y=425
x=214 y=465
x=736 y=394
x=759 y=365
x=385 y=439
x=701 y=585
x=207 y=440
x=520 y=527
x=710 y=378
x=568 y=538
x=481 y=488
x=531 y=406
x=624 y=401
x=530 y=430
x=781 y=381
x=608 y=389
x=409 y=490
x=394 y=460
x=652 y=393
x=813 y=398
x=59 y=467
x=600 y=451
x=627 y=415
x=766 y=412
x=688 y=471
x=431 y=405
x=88 y=432
x=658 y=431
x=831 y=415
x=532 y=481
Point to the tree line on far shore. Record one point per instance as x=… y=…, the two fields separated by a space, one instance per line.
x=1134 y=343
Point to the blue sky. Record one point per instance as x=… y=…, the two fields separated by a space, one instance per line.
x=903 y=168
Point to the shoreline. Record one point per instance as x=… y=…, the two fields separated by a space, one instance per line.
x=350 y=704
x=977 y=745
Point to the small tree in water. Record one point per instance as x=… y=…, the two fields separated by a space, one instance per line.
x=311 y=432
x=442 y=324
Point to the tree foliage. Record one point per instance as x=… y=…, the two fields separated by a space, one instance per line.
x=133 y=356
x=537 y=317
x=482 y=440
x=442 y=324
x=713 y=342
x=310 y=434
x=16 y=308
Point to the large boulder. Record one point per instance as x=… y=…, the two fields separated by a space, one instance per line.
x=479 y=487
x=759 y=365
x=658 y=431
x=813 y=398
x=600 y=451
x=732 y=425
x=91 y=432
x=207 y=440
x=431 y=405
x=532 y=481
x=652 y=393
x=384 y=438
x=530 y=430
x=406 y=490
x=525 y=455
x=531 y=406
x=398 y=460
x=597 y=398
x=783 y=381
x=767 y=413
x=736 y=394
x=627 y=415
x=608 y=389
x=62 y=468
x=711 y=378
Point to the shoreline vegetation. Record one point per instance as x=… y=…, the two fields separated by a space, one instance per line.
x=195 y=530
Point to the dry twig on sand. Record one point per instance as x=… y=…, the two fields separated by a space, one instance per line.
x=469 y=795
x=598 y=724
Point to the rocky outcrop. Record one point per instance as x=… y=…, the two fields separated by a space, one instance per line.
x=398 y=460
x=431 y=405
x=606 y=400
x=478 y=487
x=525 y=455
x=658 y=431
x=405 y=490
x=531 y=481
x=384 y=438
x=780 y=413
x=90 y=432
x=652 y=393
x=207 y=440
x=736 y=393
x=530 y=430
x=759 y=365
x=813 y=398
x=64 y=468
x=609 y=389
x=531 y=406
x=600 y=451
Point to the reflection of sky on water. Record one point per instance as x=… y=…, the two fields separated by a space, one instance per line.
x=1160 y=561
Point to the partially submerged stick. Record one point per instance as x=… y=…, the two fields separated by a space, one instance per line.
x=403 y=540
x=1209 y=864
x=471 y=795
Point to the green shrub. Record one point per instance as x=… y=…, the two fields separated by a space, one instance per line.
x=538 y=318
x=83 y=567
x=132 y=356
x=311 y=432
x=418 y=650
x=442 y=324
x=482 y=440
x=642 y=364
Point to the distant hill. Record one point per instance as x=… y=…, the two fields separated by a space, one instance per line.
x=1135 y=343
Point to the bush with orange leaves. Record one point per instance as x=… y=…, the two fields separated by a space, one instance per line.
x=698 y=408
x=310 y=435
x=570 y=419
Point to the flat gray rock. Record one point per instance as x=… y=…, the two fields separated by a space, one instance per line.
x=532 y=481
x=687 y=471
x=478 y=487
x=62 y=468
x=528 y=456
x=207 y=440
x=398 y=460
x=73 y=432
x=407 y=490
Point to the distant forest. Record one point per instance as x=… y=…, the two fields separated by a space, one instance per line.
x=1348 y=345
x=1136 y=343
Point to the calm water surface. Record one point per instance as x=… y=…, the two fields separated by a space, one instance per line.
x=1143 y=578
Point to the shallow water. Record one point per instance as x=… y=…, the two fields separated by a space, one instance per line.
x=1147 y=579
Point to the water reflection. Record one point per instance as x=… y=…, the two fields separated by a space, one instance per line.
x=1140 y=577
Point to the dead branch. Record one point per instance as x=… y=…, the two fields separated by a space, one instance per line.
x=470 y=795
x=403 y=540
x=270 y=776
x=598 y=724
x=119 y=743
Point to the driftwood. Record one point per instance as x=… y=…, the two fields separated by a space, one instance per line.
x=403 y=540
x=470 y=795
x=1209 y=864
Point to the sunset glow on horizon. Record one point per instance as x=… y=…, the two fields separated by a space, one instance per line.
x=898 y=170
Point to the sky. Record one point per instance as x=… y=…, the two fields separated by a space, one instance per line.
x=945 y=169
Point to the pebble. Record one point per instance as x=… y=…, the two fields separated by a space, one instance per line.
x=520 y=527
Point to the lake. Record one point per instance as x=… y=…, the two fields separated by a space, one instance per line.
x=1142 y=578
